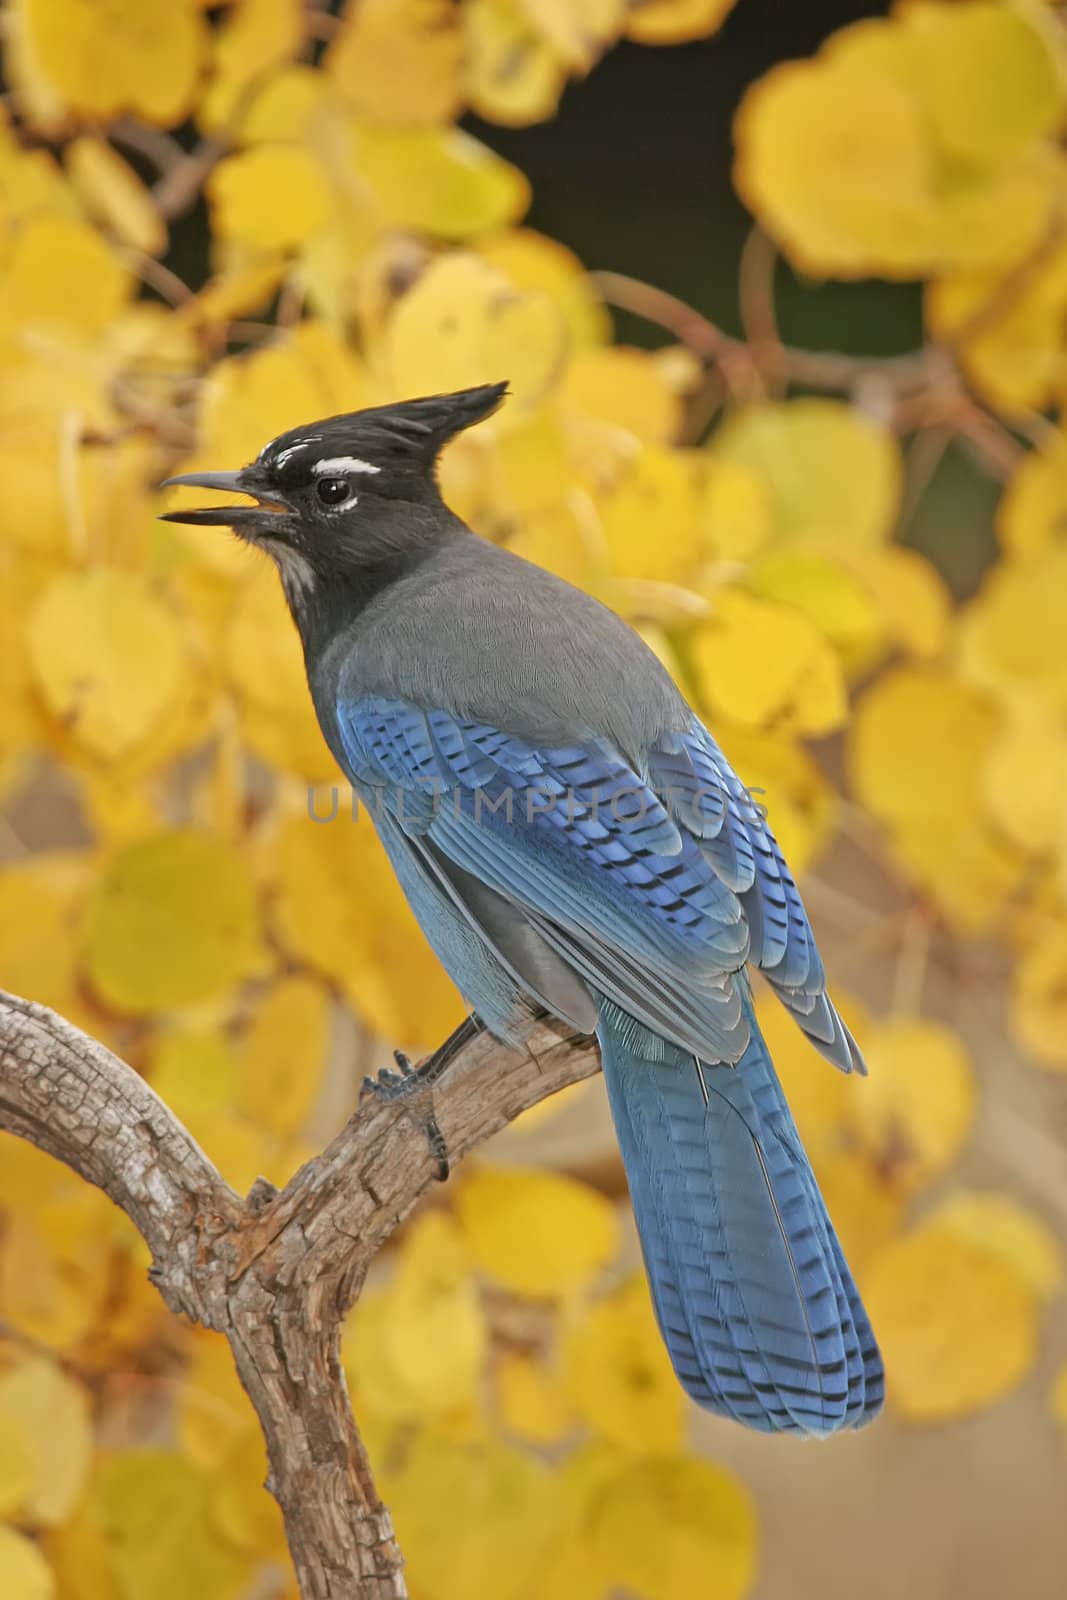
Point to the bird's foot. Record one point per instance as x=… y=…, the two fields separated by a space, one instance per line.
x=409 y=1082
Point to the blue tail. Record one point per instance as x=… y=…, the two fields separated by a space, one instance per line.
x=755 y=1301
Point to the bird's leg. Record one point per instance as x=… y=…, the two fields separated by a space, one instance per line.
x=409 y=1081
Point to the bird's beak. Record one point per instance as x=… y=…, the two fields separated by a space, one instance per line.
x=247 y=482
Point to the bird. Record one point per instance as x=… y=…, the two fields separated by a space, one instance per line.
x=573 y=842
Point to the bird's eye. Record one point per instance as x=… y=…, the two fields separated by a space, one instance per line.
x=332 y=491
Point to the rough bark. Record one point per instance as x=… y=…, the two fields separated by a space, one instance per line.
x=277 y=1271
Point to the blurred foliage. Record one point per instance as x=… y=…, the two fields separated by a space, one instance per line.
x=518 y=1402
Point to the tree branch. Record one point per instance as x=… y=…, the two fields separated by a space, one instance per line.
x=278 y=1271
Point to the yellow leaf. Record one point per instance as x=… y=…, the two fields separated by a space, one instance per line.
x=242 y=1508
x=529 y=1399
x=1001 y=1225
x=1011 y=634
x=39 y=902
x=827 y=593
x=280 y=1063
x=60 y=274
x=338 y=907
x=16 y=1465
x=193 y=1073
x=255 y=36
x=1005 y=89
x=736 y=509
x=440 y=180
x=675 y=21
x=114 y=194
x=918 y=745
x=213 y=1410
x=156 y=1510
x=24 y=1572
x=42 y=1405
x=916 y=1110
x=272 y=197
x=854 y=159
x=532 y=260
x=1014 y=355
x=618 y=1376
x=577 y=31
x=867 y=1207
x=1032 y=513
x=490 y=1534
x=399 y=60
x=538 y=1233
x=957 y=1323
x=141 y=56
x=915 y=605
x=55 y=1266
x=462 y=324
x=1025 y=779
x=107 y=656
x=513 y=76
x=666 y=1526
x=764 y=664
x=265 y=662
x=832 y=473
x=819 y=1100
x=630 y=388
x=1040 y=998
x=650 y=521
x=173 y=920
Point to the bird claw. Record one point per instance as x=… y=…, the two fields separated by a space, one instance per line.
x=409 y=1081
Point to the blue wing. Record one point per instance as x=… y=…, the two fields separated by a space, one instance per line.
x=654 y=888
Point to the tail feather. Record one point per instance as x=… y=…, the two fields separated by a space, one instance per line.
x=755 y=1301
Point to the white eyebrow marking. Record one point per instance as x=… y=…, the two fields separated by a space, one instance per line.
x=339 y=465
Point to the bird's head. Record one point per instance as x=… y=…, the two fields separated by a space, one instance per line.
x=353 y=491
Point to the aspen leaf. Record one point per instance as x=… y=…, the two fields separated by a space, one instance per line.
x=255 y=36
x=173 y=920
x=650 y=522
x=957 y=1323
x=918 y=744
x=538 y=1233
x=736 y=507
x=39 y=1403
x=107 y=656
x=39 y=902
x=492 y=1531
x=1001 y=1225
x=831 y=473
x=265 y=663
x=113 y=193
x=674 y=21
x=272 y=197
x=134 y=55
x=1011 y=634
x=462 y=324
x=1025 y=778
x=399 y=60
x=281 y=1059
x=1040 y=998
x=242 y=1508
x=530 y=1399
x=16 y=1465
x=627 y=387
x=512 y=74
x=55 y=1265
x=818 y=1100
x=24 y=1572
x=338 y=907
x=916 y=1109
x=618 y=1376
x=763 y=664
x=826 y=592
x=440 y=180
x=1032 y=513
x=531 y=260
x=212 y=1413
x=61 y=273
x=667 y=1525
x=156 y=1510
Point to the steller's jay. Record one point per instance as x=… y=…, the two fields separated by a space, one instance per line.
x=572 y=839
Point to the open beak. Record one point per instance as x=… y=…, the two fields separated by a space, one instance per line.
x=234 y=516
